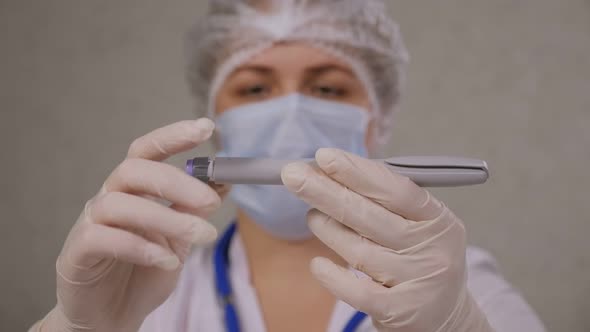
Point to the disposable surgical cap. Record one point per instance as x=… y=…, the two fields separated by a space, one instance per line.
x=359 y=32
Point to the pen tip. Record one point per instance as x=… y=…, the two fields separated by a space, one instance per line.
x=189 y=167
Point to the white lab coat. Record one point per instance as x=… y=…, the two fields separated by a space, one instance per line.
x=193 y=306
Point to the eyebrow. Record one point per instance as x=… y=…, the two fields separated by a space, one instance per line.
x=316 y=70
x=258 y=69
x=325 y=68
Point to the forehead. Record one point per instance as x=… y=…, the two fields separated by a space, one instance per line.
x=261 y=5
x=294 y=56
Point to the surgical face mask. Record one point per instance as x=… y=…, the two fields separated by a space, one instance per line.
x=291 y=127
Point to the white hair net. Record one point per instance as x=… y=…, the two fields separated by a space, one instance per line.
x=359 y=32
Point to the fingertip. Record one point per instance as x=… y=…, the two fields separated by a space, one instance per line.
x=206 y=126
x=318 y=266
x=315 y=219
x=213 y=203
x=160 y=257
x=200 y=199
x=203 y=234
x=313 y=213
x=326 y=157
x=325 y=270
x=170 y=263
x=293 y=175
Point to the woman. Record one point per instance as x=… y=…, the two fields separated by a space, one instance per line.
x=284 y=79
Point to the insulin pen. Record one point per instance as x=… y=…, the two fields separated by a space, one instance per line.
x=425 y=171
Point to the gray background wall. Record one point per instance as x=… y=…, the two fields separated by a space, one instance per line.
x=504 y=80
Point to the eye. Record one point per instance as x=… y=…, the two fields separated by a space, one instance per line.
x=258 y=90
x=326 y=91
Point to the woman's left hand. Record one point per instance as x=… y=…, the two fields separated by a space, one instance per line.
x=410 y=245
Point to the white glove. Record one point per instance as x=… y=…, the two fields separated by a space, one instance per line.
x=384 y=225
x=123 y=256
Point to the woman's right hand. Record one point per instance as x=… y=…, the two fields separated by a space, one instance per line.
x=123 y=256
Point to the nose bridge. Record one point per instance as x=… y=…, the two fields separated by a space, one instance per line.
x=291 y=138
x=290 y=74
x=291 y=84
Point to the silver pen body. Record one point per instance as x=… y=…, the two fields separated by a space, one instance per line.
x=426 y=171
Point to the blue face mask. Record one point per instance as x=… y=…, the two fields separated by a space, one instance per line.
x=291 y=127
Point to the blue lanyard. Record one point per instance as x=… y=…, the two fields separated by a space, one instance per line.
x=224 y=289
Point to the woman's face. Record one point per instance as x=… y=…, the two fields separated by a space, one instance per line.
x=288 y=68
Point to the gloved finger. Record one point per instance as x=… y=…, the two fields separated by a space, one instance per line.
x=374 y=180
x=360 y=293
x=365 y=216
x=140 y=176
x=221 y=189
x=132 y=212
x=181 y=248
x=425 y=304
x=384 y=265
x=164 y=142
x=420 y=303
x=96 y=241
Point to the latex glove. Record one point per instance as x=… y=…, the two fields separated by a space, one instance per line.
x=123 y=256
x=410 y=245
